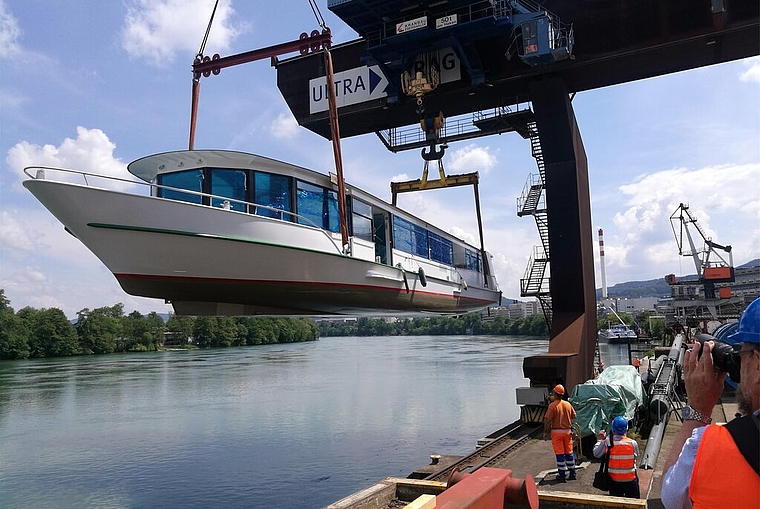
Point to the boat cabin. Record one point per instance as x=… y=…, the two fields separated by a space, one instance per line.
x=265 y=187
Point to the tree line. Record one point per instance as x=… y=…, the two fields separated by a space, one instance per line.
x=472 y=323
x=36 y=333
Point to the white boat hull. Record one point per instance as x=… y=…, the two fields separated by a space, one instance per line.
x=222 y=262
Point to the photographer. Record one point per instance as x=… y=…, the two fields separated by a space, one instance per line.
x=709 y=465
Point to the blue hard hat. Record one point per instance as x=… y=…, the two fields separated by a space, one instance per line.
x=619 y=425
x=749 y=325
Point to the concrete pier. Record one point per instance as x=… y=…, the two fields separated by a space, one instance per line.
x=536 y=459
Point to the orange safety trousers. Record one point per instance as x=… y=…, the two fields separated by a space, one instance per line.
x=562 y=441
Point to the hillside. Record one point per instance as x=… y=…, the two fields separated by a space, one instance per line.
x=653 y=287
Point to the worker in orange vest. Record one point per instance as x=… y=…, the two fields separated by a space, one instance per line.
x=636 y=362
x=558 y=419
x=713 y=465
x=622 y=464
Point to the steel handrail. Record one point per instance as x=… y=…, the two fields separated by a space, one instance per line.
x=84 y=175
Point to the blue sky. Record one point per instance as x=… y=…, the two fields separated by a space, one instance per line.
x=93 y=85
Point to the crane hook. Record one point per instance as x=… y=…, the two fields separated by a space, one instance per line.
x=431 y=154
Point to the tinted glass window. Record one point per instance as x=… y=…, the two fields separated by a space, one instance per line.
x=317 y=206
x=359 y=207
x=331 y=211
x=402 y=235
x=310 y=202
x=409 y=237
x=272 y=191
x=472 y=260
x=362 y=227
x=441 y=250
x=230 y=184
x=192 y=180
x=361 y=220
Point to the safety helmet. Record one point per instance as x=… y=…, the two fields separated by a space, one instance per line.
x=619 y=425
x=559 y=389
x=749 y=325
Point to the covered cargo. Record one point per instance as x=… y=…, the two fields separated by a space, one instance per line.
x=617 y=391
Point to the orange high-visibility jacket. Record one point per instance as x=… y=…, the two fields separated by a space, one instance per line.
x=622 y=467
x=721 y=476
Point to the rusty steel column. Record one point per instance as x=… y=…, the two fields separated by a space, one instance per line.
x=571 y=251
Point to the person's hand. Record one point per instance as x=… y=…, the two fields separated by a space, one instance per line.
x=703 y=385
x=602 y=435
x=545 y=436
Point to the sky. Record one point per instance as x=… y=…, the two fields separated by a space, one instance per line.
x=94 y=85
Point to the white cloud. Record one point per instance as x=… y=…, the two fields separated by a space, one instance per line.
x=401 y=177
x=157 y=29
x=43 y=266
x=471 y=158
x=10 y=32
x=752 y=74
x=725 y=200
x=13 y=234
x=91 y=151
x=284 y=127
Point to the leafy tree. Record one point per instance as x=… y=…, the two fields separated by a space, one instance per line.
x=50 y=333
x=226 y=331
x=204 y=331
x=180 y=328
x=100 y=328
x=13 y=335
x=155 y=331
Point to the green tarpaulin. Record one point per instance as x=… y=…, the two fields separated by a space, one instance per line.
x=617 y=391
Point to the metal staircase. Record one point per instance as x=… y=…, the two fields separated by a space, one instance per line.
x=532 y=202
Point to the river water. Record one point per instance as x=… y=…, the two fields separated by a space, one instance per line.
x=293 y=426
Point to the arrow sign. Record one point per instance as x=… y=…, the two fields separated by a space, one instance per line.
x=353 y=86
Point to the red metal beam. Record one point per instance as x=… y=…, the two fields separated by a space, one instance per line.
x=213 y=65
x=206 y=66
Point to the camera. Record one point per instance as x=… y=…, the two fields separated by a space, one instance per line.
x=725 y=358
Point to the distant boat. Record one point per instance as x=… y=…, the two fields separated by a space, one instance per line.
x=228 y=233
x=618 y=334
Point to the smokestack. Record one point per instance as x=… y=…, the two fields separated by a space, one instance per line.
x=601 y=261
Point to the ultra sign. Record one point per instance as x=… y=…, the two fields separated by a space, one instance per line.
x=351 y=87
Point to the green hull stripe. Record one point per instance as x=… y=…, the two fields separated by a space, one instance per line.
x=207 y=236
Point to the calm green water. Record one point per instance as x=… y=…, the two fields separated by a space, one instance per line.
x=298 y=425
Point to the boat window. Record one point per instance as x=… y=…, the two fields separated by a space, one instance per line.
x=472 y=260
x=332 y=215
x=192 y=180
x=272 y=191
x=361 y=220
x=410 y=238
x=317 y=206
x=230 y=184
x=441 y=250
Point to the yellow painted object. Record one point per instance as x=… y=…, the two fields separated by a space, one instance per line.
x=569 y=499
x=422 y=502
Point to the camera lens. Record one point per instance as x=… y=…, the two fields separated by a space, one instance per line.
x=725 y=358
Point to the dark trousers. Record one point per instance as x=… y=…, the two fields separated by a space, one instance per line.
x=628 y=489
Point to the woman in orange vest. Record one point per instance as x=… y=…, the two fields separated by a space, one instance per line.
x=623 y=454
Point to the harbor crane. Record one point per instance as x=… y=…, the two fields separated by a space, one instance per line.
x=712 y=267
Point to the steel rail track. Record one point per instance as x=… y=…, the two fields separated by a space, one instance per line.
x=514 y=436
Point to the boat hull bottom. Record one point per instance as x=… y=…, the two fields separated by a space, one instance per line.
x=198 y=296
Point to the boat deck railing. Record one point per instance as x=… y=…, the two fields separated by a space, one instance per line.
x=251 y=208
